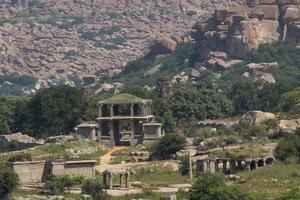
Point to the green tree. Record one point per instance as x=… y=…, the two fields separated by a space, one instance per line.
x=196 y=102
x=212 y=187
x=55 y=111
x=290 y=102
x=244 y=94
x=289 y=147
x=168 y=145
x=8 y=179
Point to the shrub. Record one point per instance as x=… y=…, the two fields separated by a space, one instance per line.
x=289 y=148
x=168 y=145
x=212 y=187
x=291 y=195
x=8 y=179
x=56 y=185
x=95 y=189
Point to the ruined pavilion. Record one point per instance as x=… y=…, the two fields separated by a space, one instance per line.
x=125 y=120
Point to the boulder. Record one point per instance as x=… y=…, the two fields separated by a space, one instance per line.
x=163 y=45
x=290 y=14
x=288 y=126
x=195 y=73
x=250 y=34
x=254 y=118
x=218 y=54
x=269 y=12
x=293 y=30
x=263 y=67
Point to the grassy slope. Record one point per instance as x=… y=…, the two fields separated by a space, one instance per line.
x=272 y=181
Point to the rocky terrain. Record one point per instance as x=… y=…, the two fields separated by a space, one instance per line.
x=231 y=33
x=77 y=41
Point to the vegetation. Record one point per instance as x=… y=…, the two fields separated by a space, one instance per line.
x=95 y=189
x=168 y=145
x=158 y=176
x=270 y=182
x=50 y=112
x=56 y=185
x=8 y=179
x=212 y=187
x=288 y=149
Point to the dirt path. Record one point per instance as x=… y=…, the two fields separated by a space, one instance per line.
x=105 y=159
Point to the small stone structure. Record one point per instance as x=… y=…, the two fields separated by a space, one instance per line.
x=123 y=120
x=109 y=175
x=30 y=172
x=85 y=168
x=87 y=130
x=231 y=166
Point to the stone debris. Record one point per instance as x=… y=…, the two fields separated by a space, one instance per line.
x=18 y=137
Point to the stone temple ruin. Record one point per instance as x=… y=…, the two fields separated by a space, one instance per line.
x=123 y=120
x=231 y=166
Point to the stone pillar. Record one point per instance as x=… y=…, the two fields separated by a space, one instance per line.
x=190 y=165
x=224 y=166
x=111 y=133
x=132 y=110
x=100 y=110
x=232 y=166
x=111 y=107
x=255 y=164
x=217 y=166
x=105 y=180
x=126 y=181
x=131 y=133
x=121 y=182
x=111 y=183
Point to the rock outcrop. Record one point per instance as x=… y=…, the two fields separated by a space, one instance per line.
x=240 y=29
x=254 y=118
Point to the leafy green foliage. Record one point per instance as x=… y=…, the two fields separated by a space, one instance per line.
x=94 y=188
x=291 y=195
x=8 y=179
x=168 y=145
x=195 y=102
x=56 y=185
x=212 y=187
x=290 y=102
x=289 y=148
x=14 y=84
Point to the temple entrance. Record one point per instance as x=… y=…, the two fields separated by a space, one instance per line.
x=122 y=133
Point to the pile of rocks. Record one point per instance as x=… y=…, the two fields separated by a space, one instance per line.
x=239 y=29
x=19 y=137
x=262 y=72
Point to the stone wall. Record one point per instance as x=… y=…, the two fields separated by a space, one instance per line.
x=32 y=171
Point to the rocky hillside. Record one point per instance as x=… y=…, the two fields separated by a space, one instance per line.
x=81 y=40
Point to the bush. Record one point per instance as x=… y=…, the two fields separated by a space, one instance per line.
x=212 y=187
x=289 y=148
x=8 y=179
x=168 y=145
x=291 y=195
x=95 y=189
x=56 y=185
